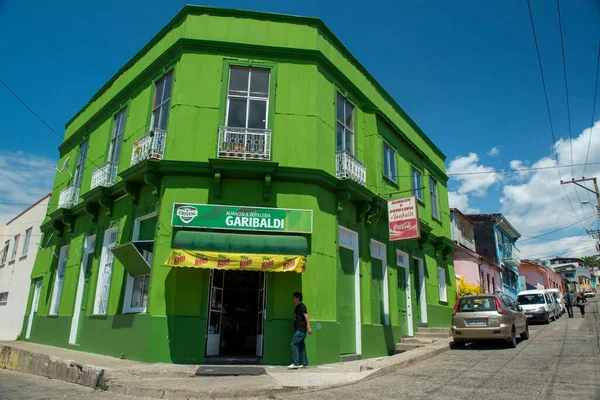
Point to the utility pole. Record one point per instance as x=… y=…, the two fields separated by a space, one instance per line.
x=595 y=233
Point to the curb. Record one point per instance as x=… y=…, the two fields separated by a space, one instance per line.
x=21 y=360
x=94 y=377
x=125 y=388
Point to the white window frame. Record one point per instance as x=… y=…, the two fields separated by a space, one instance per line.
x=26 y=242
x=59 y=280
x=13 y=255
x=5 y=301
x=130 y=279
x=417 y=184
x=105 y=272
x=435 y=198
x=348 y=239
x=117 y=136
x=342 y=124
x=4 y=253
x=164 y=104
x=442 y=287
x=379 y=252
x=248 y=97
x=77 y=177
x=403 y=261
x=389 y=162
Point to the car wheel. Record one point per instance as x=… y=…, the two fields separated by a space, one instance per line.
x=547 y=320
x=458 y=344
x=512 y=341
x=525 y=335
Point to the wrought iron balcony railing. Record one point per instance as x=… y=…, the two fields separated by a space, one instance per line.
x=348 y=167
x=69 y=197
x=105 y=175
x=244 y=143
x=151 y=146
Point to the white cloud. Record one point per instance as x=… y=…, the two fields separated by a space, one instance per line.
x=494 y=151
x=572 y=246
x=538 y=203
x=475 y=179
x=24 y=179
x=520 y=175
x=461 y=201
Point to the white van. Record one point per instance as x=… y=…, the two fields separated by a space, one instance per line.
x=538 y=305
x=560 y=300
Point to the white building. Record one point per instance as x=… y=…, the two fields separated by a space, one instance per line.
x=19 y=240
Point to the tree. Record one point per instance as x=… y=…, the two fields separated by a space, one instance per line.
x=591 y=261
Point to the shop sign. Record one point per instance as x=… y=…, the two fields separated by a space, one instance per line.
x=209 y=216
x=403 y=216
x=236 y=261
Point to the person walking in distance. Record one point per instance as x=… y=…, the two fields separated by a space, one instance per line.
x=569 y=304
x=301 y=328
x=580 y=302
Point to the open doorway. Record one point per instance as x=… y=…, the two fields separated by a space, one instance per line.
x=236 y=317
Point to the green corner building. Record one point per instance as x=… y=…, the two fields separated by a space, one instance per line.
x=237 y=158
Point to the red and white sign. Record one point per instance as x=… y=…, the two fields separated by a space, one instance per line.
x=403 y=215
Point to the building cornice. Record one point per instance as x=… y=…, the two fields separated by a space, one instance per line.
x=308 y=21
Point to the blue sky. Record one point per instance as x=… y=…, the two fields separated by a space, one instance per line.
x=465 y=71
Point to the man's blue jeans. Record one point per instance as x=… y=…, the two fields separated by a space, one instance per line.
x=299 y=346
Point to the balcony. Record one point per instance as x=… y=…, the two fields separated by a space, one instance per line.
x=244 y=143
x=348 y=167
x=151 y=146
x=69 y=197
x=510 y=255
x=105 y=175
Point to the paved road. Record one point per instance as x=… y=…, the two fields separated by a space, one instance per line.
x=560 y=361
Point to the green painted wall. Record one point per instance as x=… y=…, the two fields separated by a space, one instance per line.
x=308 y=67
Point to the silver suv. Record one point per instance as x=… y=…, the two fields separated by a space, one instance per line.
x=488 y=317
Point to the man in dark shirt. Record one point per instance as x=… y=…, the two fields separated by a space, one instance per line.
x=569 y=304
x=301 y=328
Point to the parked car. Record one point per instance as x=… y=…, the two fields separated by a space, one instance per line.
x=589 y=294
x=560 y=300
x=488 y=317
x=538 y=305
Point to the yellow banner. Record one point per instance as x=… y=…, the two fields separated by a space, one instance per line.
x=236 y=261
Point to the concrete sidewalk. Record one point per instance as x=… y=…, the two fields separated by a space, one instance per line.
x=176 y=381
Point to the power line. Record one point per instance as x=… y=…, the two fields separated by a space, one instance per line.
x=562 y=47
x=564 y=63
x=39 y=118
x=30 y=110
x=556 y=230
x=593 y=111
x=539 y=58
x=556 y=253
x=511 y=170
x=573 y=207
x=543 y=84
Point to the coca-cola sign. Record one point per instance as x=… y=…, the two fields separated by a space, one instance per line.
x=403 y=215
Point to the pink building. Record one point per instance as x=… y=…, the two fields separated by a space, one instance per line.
x=476 y=269
x=539 y=276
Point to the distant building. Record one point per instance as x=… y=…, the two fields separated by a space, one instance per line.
x=20 y=238
x=578 y=276
x=539 y=276
x=496 y=239
x=474 y=268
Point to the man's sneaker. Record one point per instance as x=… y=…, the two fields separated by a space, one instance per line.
x=293 y=366
x=303 y=366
